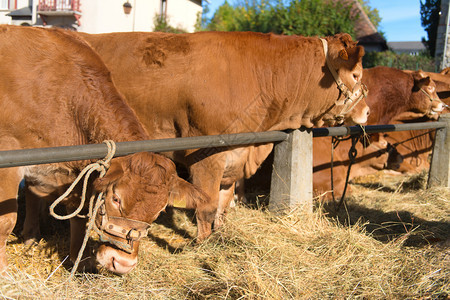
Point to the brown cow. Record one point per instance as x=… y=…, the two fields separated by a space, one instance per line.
x=415 y=146
x=55 y=91
x=393 y=93
x=212 y=83
x=372 y=156
x=442 y=81
x=445 y=71
x=401 y=95
x=395 y=96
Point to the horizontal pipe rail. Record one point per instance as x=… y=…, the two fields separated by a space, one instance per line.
x=26 y=157
x=353 y=130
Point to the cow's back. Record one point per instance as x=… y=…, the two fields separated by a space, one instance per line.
x=215 y=82
x=51 y=82
x=36 y=67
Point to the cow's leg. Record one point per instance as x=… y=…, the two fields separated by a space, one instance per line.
x=31 y=231
x=9 y=187
x=207 y=177
x=239 y=196
x=226 y=195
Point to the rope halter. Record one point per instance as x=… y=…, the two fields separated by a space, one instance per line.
x=434 y=99
x=127 y=229
x=130 y=230
x=101 y=166
x=352 y=97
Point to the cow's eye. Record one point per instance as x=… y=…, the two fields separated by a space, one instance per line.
x=116 y=199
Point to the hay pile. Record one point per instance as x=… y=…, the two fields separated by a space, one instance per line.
x=391 y=242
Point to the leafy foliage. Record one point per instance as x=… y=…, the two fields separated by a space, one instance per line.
x=429 y=15
x=226 y=18
x=306 y=17
x=400 y=61
x=162 y=24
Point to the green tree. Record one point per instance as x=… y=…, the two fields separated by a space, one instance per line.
x=316 y=17
x=306 y=17
x=202 y=20
x=162 y=24
x=429 y=15
x=400 y=61
x=226 y=18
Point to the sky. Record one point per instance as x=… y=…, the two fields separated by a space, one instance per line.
x=400 y=19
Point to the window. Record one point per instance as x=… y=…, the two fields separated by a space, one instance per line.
x=7 y=4
x=4 y=4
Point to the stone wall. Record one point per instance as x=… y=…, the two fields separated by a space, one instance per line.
x=443 y=37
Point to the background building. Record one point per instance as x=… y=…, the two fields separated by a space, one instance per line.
x=100 y=16
x=411 y=48
x=366 y=33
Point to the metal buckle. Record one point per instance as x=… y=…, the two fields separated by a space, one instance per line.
x=126 y=232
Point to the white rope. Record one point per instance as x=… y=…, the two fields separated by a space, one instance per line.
x=88 y=230
x=101 y=166
x=434 y=99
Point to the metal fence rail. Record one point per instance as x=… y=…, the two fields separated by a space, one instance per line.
x=292 y=174
x=25 y=157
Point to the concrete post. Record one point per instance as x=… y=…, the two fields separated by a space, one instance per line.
x=440 y=161
x=292 y=173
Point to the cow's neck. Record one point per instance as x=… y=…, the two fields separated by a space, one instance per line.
x=109 y=119
x=105 y=118
x=308 y=104
x=303 y=93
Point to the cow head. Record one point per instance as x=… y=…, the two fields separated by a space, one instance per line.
x=424 y=100
x=136 y=189
x=424 y=94
x=344 y=61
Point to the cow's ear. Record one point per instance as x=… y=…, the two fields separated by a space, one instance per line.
x=355 y=53
x=422 y=82
x=346 y=39
x=418 y=75
x=183 y=194
x=114 y=173
x=343 y=54
x=421 y=74
x=425 y=81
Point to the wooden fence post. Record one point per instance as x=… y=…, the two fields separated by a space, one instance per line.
x=291 y=184
x=440 y=160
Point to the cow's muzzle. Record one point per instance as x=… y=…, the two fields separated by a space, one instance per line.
x=441 y=104
x=118 y=231
x=352 y=98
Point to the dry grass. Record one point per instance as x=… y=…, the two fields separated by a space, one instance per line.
x=391 y=242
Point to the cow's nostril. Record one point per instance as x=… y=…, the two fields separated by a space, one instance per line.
x=112 y=263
